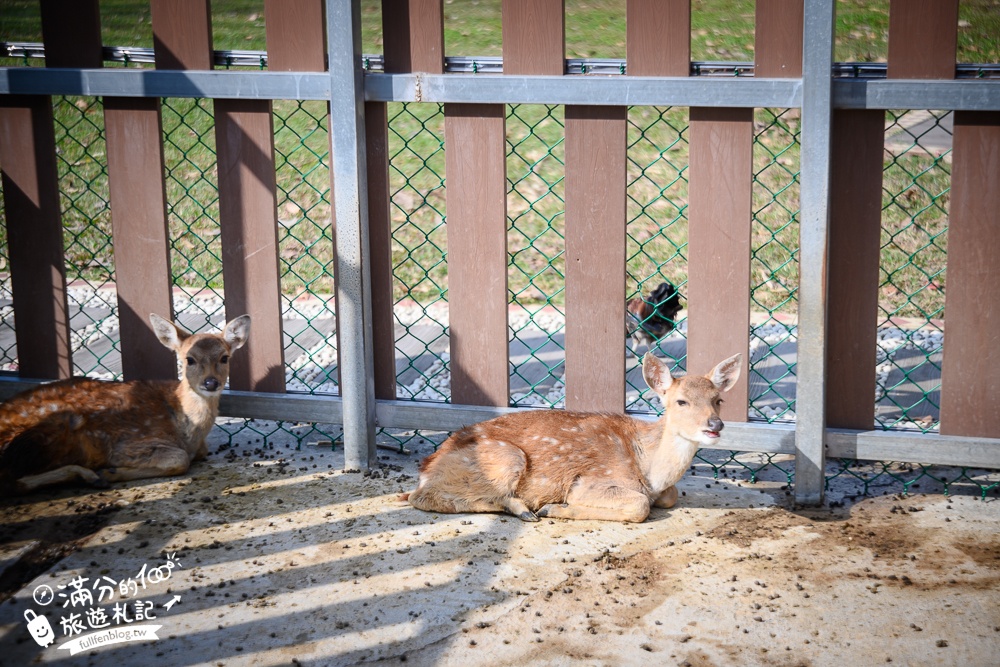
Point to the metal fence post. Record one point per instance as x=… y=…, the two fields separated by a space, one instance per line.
x=817 y=114
x=347 y=133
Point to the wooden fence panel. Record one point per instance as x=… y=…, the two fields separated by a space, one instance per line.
x=380 y=248
x=969 y=378
x=476 y=151
x=533 y=37
x=182 y=34
x=778 y=39
x=719 y=218
x=853 y=273
x=595 y=257
x=34 y=236
x=923 y=38
x=658 y=37
x=139 y=227
x=295 y=32
x=413 y=35
x=249 y=221
x=72 y=33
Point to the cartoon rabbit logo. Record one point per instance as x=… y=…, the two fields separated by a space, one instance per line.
x=39 y=628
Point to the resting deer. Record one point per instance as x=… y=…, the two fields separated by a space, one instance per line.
x=577 y=465
x=104 y=432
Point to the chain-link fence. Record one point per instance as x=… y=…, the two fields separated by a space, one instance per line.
x=910 y=336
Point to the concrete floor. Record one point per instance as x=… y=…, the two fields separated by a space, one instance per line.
x=280 y=558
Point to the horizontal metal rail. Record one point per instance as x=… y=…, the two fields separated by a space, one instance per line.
x=897 y=446
x=978 y=95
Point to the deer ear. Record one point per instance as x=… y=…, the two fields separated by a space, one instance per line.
x=237 y=331
x=724 y=375
x=656 y=373
x=167 y=332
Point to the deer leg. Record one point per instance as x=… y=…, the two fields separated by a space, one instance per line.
x=667 y=499
x=59 y=476
x=481 y=477
x=602 y=503
x=142 y=460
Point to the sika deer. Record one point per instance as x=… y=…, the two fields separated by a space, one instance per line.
x=577 y=465
x=107 y=432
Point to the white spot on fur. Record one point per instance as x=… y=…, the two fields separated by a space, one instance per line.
x=551 y=441
x=501 y=443
x=556 y=458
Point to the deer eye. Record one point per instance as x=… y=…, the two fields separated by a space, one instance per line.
x=719 y=401
x=224 y=359
x=191 y=361
x=682 y=403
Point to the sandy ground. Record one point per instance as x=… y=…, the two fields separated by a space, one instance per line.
x=279 y=557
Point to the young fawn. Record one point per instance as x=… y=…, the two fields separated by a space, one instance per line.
x=576 y=465
x=105 y=432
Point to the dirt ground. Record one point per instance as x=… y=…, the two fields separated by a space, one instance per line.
x=271 y=555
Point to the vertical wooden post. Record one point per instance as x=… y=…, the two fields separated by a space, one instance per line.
x=923 y=39
x=380 y=244
x=72 y=33
x=413 y=35
x=971 y=344
x=853 y=274
x=595 y=258
x=139 y=227
x=296 y=40
x=534 y=37
x=721 y=167
x=476 y=153
x=34 y=236
x=778 y=39
x=658 y=37
x=249 y=221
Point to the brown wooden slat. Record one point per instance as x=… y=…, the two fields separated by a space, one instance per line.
x=249 y=221
x=658 y=37
x=719 y=217
x=139 y=228
x=413 y=35
x=778 y=39
x=969 y=378
x=923 y=39
x=534 y=37
x=34 y=236
x=595 y=258
x=71 y=30
x=853 y=273
x=380 y=246
x=296 y=35
x=182 y=34
x=475 y=151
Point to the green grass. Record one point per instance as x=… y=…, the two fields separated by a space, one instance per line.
x=916 y=184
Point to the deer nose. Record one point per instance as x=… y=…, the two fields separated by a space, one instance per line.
x=210 y=384
x=715 y=424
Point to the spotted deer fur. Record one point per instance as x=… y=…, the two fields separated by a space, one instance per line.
x=103 y=432
x=577 y=465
